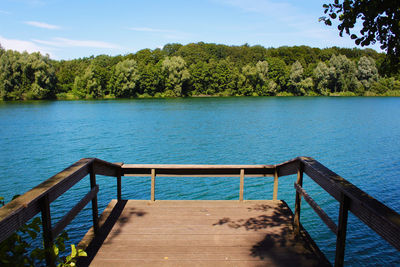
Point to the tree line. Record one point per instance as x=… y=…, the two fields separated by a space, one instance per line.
x=199 y=69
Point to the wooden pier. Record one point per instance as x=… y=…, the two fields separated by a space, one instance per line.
x=201 y=233
x=198 y=232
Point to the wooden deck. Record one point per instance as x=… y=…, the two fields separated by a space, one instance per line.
x=199 y=233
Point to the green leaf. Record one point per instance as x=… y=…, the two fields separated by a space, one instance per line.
x=73 y=251
x=82 y=253
x=56 y=250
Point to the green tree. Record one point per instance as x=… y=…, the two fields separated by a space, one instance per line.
x=175 y=74
x=26 y=76
x=248 y=80
x=224 y=78
x=43 y=79
x=89 y=84
x=278 y=73
x=295 y=79
x=150 y=79
x=10 y=76
x=264 y=86
x=323 y=75
x=67 y=70
x=367 y=73
x=200 y=78
x=344 y=78
x=384 y=85
x=124 y=79
x=171 y=49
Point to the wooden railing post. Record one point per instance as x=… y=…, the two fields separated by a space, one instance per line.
x=241 y=185
x=119 y=191
x=297 y=208
x=342 y=228
x=153 y=184
x=275 y=193
x=47 y=231
x=95 y=211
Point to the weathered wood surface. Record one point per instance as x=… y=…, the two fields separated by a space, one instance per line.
x=59 y=227
x=16 y=213
x=380 y=218
x=197 y=170
x=200 y=233
x=320 y=212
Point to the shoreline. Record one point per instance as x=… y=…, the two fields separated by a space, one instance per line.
x=195 y=96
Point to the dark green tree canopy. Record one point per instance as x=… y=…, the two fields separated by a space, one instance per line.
x=380 y=22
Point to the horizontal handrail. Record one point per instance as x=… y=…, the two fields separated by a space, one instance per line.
x=20 y=210
x=167 y=170
x=320 y=212
x=74 y=211
x=380 y=218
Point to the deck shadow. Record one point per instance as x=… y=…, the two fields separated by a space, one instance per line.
x=105 y=228
x=279 y=243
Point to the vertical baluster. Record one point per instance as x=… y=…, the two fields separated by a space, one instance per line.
x=297 y=208
x=119 y=193
x=275 y=194
x=241 y=184
x=95 y=211
x=47 y=232
x=153 y=184
x=342 y=229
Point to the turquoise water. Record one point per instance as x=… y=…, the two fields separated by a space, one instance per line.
x=358 y=138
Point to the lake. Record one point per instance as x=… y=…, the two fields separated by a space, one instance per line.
x=358 y=138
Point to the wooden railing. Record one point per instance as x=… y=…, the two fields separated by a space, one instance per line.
x=380 y=218
x=16 y=213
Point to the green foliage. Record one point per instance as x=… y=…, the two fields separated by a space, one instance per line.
x=124 y=79
x=367 y=73
x=175 y=74
x=26 y=76
x=196 y=69
x=150 y=79
x=380 y=22
x=71 y=259
x=296 y=84
x=384 y=85
x=19 y=248
x=343 y=76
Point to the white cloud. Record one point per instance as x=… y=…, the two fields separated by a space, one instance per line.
x=63 y=42
x=42 y=25
x=21 y=46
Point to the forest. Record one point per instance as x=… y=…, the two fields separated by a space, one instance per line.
x=200 y=69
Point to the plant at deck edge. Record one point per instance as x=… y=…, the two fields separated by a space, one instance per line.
x=17 y=250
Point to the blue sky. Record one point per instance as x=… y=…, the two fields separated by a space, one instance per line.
x=79 y=28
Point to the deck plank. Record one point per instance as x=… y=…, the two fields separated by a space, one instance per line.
x=200 y=233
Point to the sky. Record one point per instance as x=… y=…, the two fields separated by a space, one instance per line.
x=82 y=28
